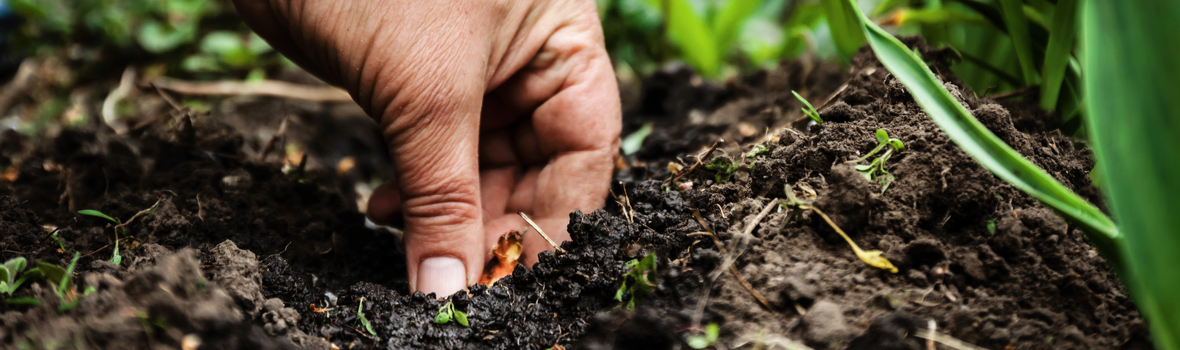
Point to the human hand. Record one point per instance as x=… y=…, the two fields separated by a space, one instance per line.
x=488 y=108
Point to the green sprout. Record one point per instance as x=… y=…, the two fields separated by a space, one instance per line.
x=875 y=170
x=758 y=150
x=704 y=340
x=8 y=280
x=809 y=110
x=723 y=167
x=120 y=227
x=447 y=312
x=60 y=279
x=360 y=315
x=641 y=278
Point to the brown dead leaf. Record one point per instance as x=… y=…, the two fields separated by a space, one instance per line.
x=504 y=258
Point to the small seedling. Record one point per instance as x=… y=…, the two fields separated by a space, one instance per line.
x=120 y=227
x=639 y=281
x=633 y=142
x=704 y=340
x=447 y=313
x=360 y=315
x=991 y=227
x=61 y=280
x=53 y=234
x=808 y=110
x=875 y=170
x=871 y=257
x=8 y=272
x=723 y=167
x=758 y=150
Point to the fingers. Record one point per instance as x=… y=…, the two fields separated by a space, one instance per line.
x=432 y=127
x=576 y=127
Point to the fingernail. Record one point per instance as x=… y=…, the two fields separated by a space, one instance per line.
x=442 y=276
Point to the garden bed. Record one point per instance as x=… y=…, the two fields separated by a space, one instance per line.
x=242 y=255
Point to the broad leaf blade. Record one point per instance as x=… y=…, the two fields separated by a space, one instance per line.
x=725 y=26
x=982 y=145
x=98 y=214
x=842 y=22
x=1133 y=117
x=1017 y=24
x=1058 y=53
x=692 y=37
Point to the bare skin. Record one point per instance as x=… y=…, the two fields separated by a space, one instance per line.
x=488 y=108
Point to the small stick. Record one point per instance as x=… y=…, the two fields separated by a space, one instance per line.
x=698 y=163
x=627 y=200
x=542 y=233
x=141 y=212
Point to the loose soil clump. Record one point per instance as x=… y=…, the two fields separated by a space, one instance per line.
x=242 y=255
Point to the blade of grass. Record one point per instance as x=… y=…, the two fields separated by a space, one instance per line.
x=842 y=22
x=692 y=37
x=1057 y=55
x=1129 y=58
x=725 y=26
x=987 y=149
x=1017 y=24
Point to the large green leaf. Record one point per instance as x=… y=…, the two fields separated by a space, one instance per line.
x=692 y=37
x=842 y=22
x=982 y=145
x=1017 y=24
x=1133 y=116
x=725 y=26
x=1058 y=54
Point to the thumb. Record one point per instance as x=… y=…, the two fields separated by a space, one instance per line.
x=434 y=144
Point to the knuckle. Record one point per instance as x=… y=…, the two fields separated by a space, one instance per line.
x=446 y=207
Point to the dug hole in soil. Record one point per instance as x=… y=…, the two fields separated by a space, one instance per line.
x=241 y=255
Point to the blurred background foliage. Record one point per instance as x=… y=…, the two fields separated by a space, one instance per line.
x=204 y=39
x=192 y=38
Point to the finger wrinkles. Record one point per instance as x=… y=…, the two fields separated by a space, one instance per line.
x=454 y=210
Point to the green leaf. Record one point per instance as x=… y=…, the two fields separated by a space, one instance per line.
x=692 y=37
x=98 y=214
x=24 y=301
x=156 y=37
x=116 y=258
x=67 y=281
x=5 y=276
x=712 y=332
x=726 y=24
x=808 y=109
x=991 y=227
x=443 y=317
x=52 y=274
x=1017 y=24
x=461 y=317
x=1057 y=55
x=632 y=143
x=220 y=42
x=842 y=22
x=882 y=136
x=987 y=149
x=1129 y=52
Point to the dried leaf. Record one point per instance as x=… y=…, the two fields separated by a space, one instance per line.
x=504 y=258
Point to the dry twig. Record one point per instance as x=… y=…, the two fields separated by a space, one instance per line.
x=541 y=232
x=697 y=164
x=273 y=88
x=109 y=116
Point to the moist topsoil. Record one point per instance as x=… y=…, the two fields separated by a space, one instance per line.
x=242 y=255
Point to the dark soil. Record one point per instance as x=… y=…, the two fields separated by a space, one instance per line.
x=242 y=255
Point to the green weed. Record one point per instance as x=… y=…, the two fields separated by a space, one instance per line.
x=120 y=227
x=360 y=315
x=875 y=170
x=640 y=280
x=8 y=272
x=62 y=281
x=808 y=109
x=706 y=339
x=724 y=168
x=447 y=313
